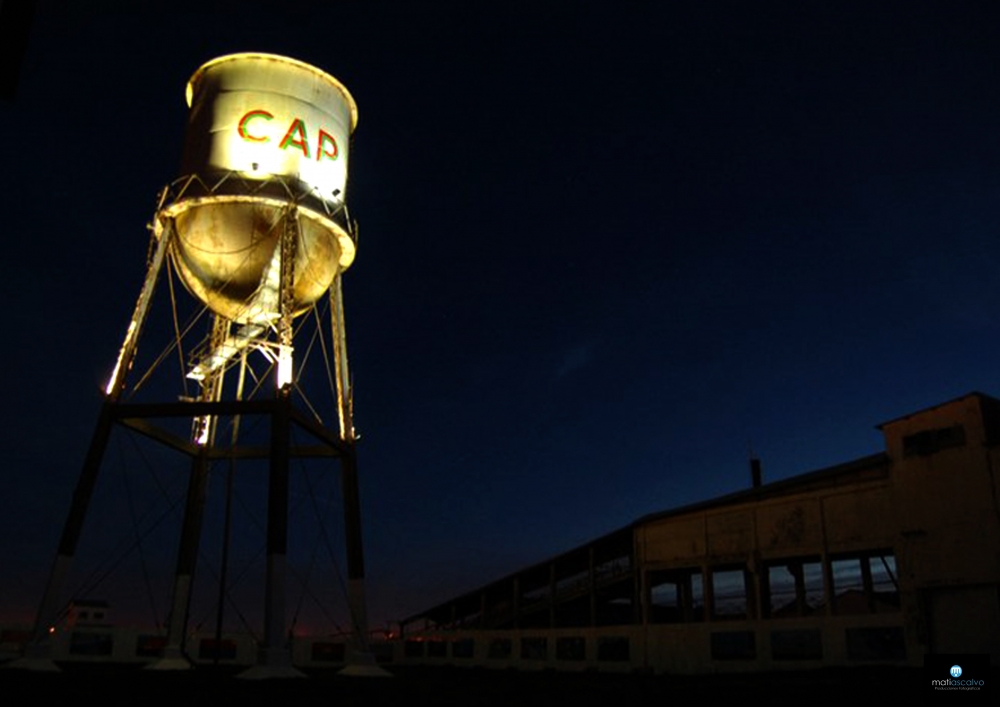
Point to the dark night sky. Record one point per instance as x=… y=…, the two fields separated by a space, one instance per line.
x=603 y=251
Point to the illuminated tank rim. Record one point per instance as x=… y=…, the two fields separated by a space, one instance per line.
x=318 y=73
x=348 y=249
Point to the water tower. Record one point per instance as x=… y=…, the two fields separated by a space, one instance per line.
x=257 y=229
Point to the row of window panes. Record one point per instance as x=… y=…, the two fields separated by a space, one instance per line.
x=863 y=643
x=609 y=648
x=793 y=587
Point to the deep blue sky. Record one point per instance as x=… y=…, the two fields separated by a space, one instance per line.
x=603 y=251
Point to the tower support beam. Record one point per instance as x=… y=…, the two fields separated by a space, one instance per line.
x=37 y=655
x=267 y=317
x=360 y=659
x=163 y=235
x=203 y=436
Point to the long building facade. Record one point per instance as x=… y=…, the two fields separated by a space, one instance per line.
x=877 y=561
x=880 y=560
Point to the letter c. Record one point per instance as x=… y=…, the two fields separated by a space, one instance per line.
x=245 y=120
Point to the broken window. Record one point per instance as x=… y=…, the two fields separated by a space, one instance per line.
x=865 y=583
x=729 y=594
x=675 y=596
x=794 y=587
x=664 y=600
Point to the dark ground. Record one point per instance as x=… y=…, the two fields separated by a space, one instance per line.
x=446 y=687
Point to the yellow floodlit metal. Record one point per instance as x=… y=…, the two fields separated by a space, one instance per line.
x=263 y=131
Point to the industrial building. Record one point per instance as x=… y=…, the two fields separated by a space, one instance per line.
x=879 y=560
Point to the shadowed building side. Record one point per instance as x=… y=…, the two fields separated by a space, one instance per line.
x=880 y=560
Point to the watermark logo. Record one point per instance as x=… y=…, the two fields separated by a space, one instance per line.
x=957 y=678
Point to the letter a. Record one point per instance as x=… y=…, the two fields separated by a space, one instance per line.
x=296 y=130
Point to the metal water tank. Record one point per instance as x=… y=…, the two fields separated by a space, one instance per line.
x=264 y=132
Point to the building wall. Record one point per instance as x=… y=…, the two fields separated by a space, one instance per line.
x=933 y=516
x=878 y=561
x=828 y=530
x=945 y=486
